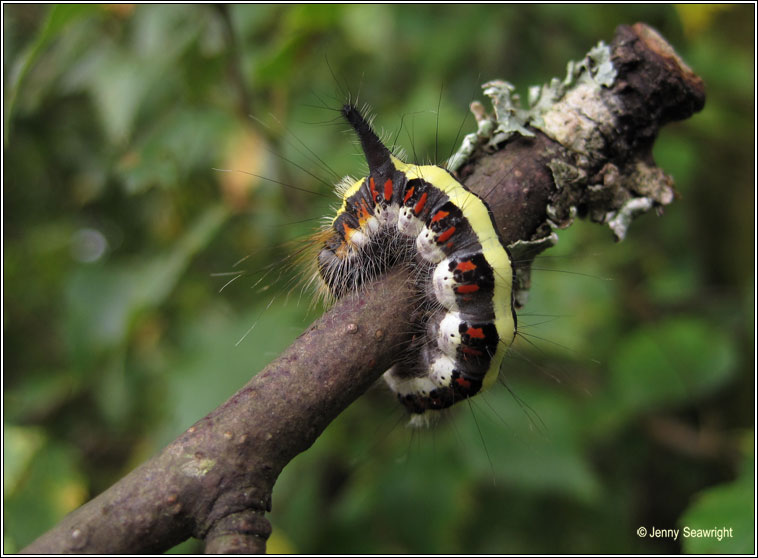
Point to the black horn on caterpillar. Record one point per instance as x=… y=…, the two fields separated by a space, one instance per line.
x=377 y=154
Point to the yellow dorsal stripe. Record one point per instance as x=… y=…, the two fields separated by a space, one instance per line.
x=478 y=216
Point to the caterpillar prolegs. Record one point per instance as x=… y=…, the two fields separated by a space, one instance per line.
x=422 y=216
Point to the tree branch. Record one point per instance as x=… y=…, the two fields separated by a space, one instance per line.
x=589 y=154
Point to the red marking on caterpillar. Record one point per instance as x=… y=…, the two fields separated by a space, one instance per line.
x=388 y=189
x=475 y=332
x=467 y=265
x=466 y=289
x=463 y=382
x=420 y=204
x=439 y=216
x=408 y=194
x=445 y=235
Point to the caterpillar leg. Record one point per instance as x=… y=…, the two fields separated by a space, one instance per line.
x=441 y=377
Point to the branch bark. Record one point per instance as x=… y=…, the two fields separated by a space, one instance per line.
x=590 y=155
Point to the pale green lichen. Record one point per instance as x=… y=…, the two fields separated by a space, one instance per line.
x=652 y=182
x=510 y=117
x=602 y=70
x=484 y=129
x=619 y=221
x=570 y=111
x=197 y=467
x=565 y=177
x=574 y=114
x=594 y=71
x=565 y=174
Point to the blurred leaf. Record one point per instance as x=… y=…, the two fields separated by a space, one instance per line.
x=428 y=499
x=119 y=86
x=696 y=17
x=20 y=444
x=278 y=543
x=529 y=441
x=725 y=512
x=175 y=147
x=222 y=352
x=39 y=396
x=52 y=487
x=245 y=150
x=103 y=300
x=571 y=301
x=112 y=392
x=367 y=26
x=58 y=17
x=124 y=83
x=678 y=154
x=190 y=546
x=673 y=361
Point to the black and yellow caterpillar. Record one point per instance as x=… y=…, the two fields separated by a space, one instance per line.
x=423 y=217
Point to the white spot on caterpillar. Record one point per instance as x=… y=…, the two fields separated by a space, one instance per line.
x=427 y=246
x=403 y=386
x=442 y=371
x=443 y=284
x=357 y=238
x=372 y=225
x=387 y=215
x=423 y=385
x=449 y=337
x=400 y=385
x=408 y=223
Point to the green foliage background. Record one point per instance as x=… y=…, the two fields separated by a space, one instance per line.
x=632 y=399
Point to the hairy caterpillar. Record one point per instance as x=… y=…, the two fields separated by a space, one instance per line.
x=421 y=215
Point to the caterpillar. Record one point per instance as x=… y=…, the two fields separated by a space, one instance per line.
x=422 y=216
